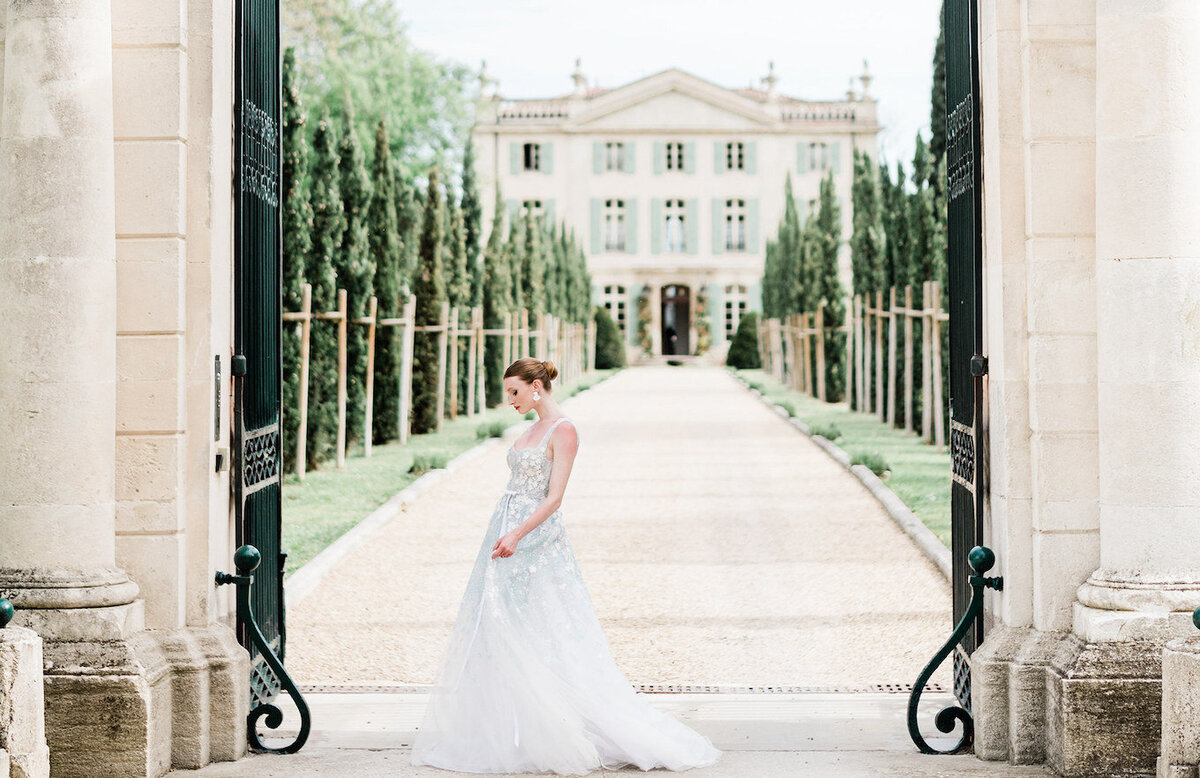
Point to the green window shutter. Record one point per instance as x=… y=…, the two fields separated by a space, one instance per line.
x=752 y=157
x=547 y=158
x=689 y=157
x=514 y=157
x=752 y=225
x=548 y=209
x=716 y=313
x=631 y=225
x=630 y=156
x=835 y=157
x=691 y=232
x=596 y=238
x=597 y=157
x=718 y=156
x=754 y=298
x=802 y=157
x=656 y=225
x=659 y=154
x=718 y=225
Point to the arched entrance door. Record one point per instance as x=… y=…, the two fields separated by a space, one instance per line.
x=676 y=319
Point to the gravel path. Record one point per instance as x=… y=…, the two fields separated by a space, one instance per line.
x=720 y=546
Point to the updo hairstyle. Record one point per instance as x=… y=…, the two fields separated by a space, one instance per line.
x=529 y=369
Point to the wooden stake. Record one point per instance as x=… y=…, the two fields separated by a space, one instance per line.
x=305 y=336
x=368 y=420
x=891 y=369
x=443 y=321
x=408 y=334
x=453 y=344
x=821 y=351
x=926 y=366
x=935 y=335
x=342 y=321
x=525 y=333
x=879 y=388
x=908 y=358
x=472 y=355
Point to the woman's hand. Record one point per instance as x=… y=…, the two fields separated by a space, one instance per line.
x=506 y=546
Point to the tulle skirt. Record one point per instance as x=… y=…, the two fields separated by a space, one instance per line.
x=529 y=683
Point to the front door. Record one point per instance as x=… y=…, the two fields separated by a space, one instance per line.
x=967 y=365
x=676 y=319
x=256 y=361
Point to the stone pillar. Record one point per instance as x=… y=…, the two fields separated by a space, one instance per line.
x=1179 y=753
x=23 y=749
x=1105 y=686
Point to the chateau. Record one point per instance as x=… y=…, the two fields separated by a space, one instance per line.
x=673 y=184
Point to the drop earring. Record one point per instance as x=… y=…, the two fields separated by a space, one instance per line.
x=536 y=396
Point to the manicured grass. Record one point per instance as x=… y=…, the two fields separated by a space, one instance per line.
x=920 y=473
x=330 y=501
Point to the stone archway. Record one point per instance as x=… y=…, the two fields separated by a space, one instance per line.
x=676 y=319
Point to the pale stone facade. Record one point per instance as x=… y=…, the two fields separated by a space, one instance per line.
x=115 y=290
x=672 y=183
x=1091 y=154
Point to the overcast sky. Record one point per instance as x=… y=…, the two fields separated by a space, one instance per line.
x=531 y=45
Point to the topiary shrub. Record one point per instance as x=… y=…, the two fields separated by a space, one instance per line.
x=610 y=350
x=743 y=352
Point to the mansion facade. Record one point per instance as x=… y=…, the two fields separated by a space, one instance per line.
x=673 y=185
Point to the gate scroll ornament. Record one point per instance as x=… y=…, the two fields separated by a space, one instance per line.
x=246 y=559
x=981 y=560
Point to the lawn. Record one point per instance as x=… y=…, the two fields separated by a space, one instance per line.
x=330 y=501
x=920 y=473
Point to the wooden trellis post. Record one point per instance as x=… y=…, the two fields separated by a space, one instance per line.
x=452 y=342
x=304 y=320
x=368 y=416
x=891 y=369
x=926 y=366
x=441 y=328
x=409 y=322
x=340 y=316
x=851 y=357
x=935 y=318
x=525 y=351
x=821 y=351
x=591 y=345
x=472 y=356
x=879 y=387
x=908 y=358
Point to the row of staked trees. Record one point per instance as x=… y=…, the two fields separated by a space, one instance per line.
x=361 y=222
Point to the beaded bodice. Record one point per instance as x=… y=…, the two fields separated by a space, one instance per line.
x=529 y=467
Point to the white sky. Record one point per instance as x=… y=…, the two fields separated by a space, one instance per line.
x=531 y=45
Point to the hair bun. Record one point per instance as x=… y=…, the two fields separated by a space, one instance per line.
x=551 y=370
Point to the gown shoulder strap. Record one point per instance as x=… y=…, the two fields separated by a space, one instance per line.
x=549 y=432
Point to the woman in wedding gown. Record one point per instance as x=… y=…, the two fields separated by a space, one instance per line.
x=528 y=683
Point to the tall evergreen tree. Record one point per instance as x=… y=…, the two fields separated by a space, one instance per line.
x=867 y=241
x=408 y=224
x=828 y=239
x=937 y=101
x=384 y=242
x=514 y=250
x=533 y=268
x=297 y=243
x=472 y=214
x=429 y=289
x=356 y=270
x=794 y=274
x=458 y=292
x=497 y=302
x=329 y=226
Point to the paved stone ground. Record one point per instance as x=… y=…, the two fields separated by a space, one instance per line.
x=720 y=546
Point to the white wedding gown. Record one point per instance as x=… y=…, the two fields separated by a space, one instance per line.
x=528 y=683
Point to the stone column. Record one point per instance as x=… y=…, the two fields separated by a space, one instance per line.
x=1105 y=698
x=23 y=749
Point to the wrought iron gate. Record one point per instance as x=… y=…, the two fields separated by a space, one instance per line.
x=967 y=365
x=256 y=361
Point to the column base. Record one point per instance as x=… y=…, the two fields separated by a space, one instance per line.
x=139 y=705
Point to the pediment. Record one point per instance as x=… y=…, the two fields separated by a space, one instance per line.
x=673 y=98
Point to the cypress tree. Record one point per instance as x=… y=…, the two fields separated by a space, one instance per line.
x=514 y=250
x=610 y=350
x=429 y=289
x=497 y=301
x=329 y=226
x=703 y=321
x=743 y=351
x=472 y=216
x=533 y=268
x=770 y=282
x=458 y=292
x=356 y=271
x=297 y=243
x=867 y=242
x=937 y=100
x=384 y=242
x=643 y=320
x=408 y=222
x=828 y=241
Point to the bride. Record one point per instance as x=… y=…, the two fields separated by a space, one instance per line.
x=528 y=683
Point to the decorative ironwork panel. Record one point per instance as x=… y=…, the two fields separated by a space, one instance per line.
x=965 y=263
x=257 y=307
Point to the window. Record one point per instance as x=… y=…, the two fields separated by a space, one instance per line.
x=735 y=225
x=735 y=156
x=532 y=206
x=614 y=156
x=818 y=156
x=735 y=308
x=614 y=225
x=674 y=156
x=673 y=214
x=533 y=156
x=614 y=302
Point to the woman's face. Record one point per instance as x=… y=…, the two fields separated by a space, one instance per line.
x=519 y=394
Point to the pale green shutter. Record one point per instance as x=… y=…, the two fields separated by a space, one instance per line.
x=835 y=157
x=716 y=314
x=689 y=157
x=630 y=156
x=597 y=157
x=754 y=298
x=656 y=225
x=514 y=156
x=631 y=225
x=718 y=225
x=659 y=153
x=548 y=210
x=752 y=157
x=802 y=157
x=692 y=227
x=596 y=238
x=718 y=156
x=547 y=158
x=752 y=225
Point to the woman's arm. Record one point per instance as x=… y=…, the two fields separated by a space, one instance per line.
x=566 y=444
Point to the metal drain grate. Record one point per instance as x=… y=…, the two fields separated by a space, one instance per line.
x=647 y=688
